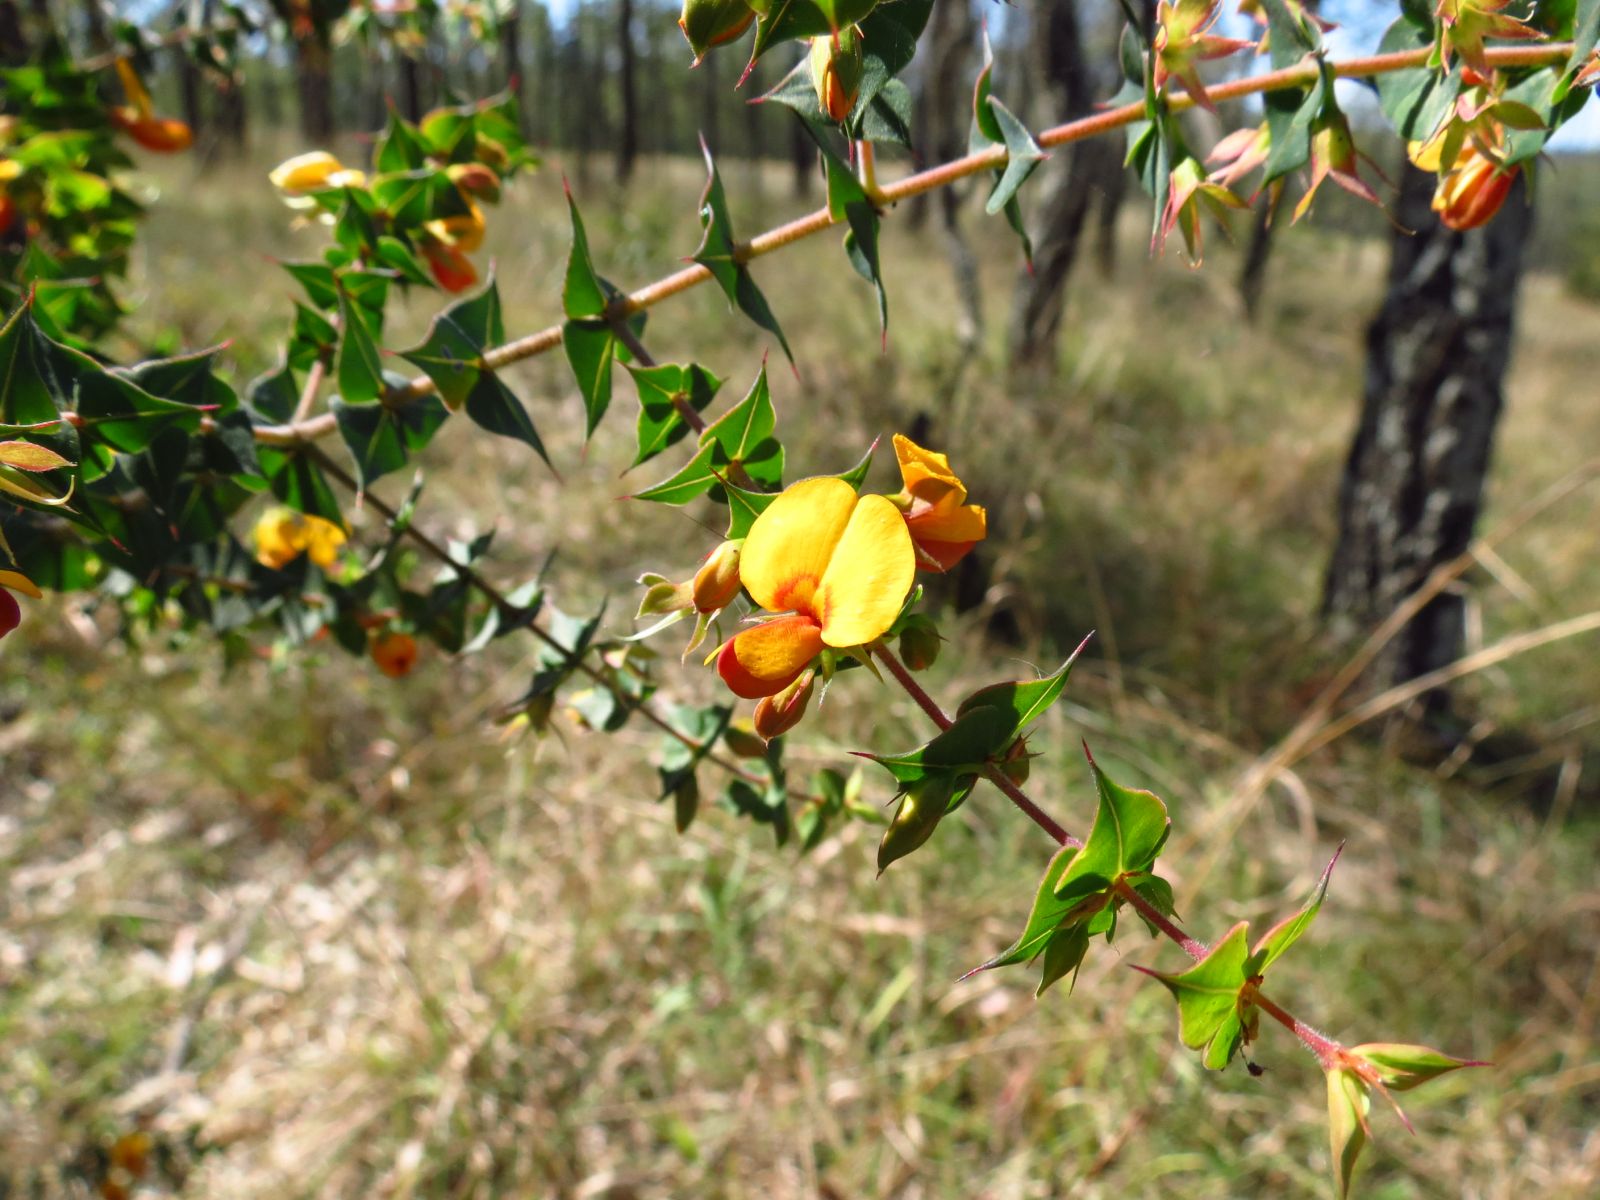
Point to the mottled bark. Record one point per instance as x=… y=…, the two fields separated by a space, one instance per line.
x=1437 y=353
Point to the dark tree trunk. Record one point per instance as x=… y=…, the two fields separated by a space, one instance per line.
x=1253 y=271
x=13 y=41
x=628 y=128
x=1083 y=172
x=314 y=82
x=189 y=87
x=511 y=71
x=803 y=157
x=1436 y=359
x=410 y=88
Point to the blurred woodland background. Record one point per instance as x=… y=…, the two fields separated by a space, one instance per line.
x=300 y=930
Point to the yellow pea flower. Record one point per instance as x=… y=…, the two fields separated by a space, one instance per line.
x=838 y=565
x=314 y=171
x=283 y=535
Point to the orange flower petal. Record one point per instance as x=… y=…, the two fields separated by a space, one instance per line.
x=765 y=659
x=948 y=522
x=791 y=542
x=868 y=575
x=927 y=476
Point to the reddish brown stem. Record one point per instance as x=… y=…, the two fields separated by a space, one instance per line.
x=994 y=775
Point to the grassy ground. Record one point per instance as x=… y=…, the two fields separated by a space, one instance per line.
x=322 y=934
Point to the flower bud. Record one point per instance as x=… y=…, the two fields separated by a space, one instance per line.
x=662 y=596
x=312 y=172
x=1015 y=763
x=164 y=135
x=395 y=653
x=837 y=66
x=1473 y=191
x=487 y=150
x=475 y=179
x=452 y=270
x=743 y=742
x=708 y=23
x=716 y=584
x=919 y=643
x=776 y=715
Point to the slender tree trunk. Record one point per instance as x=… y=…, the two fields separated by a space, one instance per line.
x=1436 y=360
x=628 y=131
x=314 y=81
x=410 y=88
x=1073 y=186
x=944 y=97
x=803 y=158
x=512 y=76
x=13 y=40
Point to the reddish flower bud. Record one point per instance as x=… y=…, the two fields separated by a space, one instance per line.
x=837 y=66
x=452 y=270
x=716 y=584
x=164 y=135
x=1015 y=763
x=776 y=715
x=395 y=653
x=1471 y=193
x=708 y=23
x=475 y=179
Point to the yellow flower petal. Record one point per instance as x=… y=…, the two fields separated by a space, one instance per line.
x=790 y=543
x=868 y=575
x=306 y=172
x=927 y=475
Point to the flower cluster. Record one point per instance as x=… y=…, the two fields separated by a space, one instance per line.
x=829 y=571
x=444 y=241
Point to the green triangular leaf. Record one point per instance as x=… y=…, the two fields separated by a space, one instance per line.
x=360 y=369
x=718 y=253
x=1208 y=997
x=1286 y=932
x=582 y=294
x=663 y=393
x=1024 y=156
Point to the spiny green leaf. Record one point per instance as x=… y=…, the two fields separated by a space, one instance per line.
x=591 y=348
x=718 y=253
x=360 y=369
x=1286 y=932
x=1025 y=701
x=493 y=406
x=1403 y=1066
x=381 y=437
x=1024 y=155
x=663 y=391
x=582 y=294
x=452 y=353
x=1209 y=1009
x=1348 y=1104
